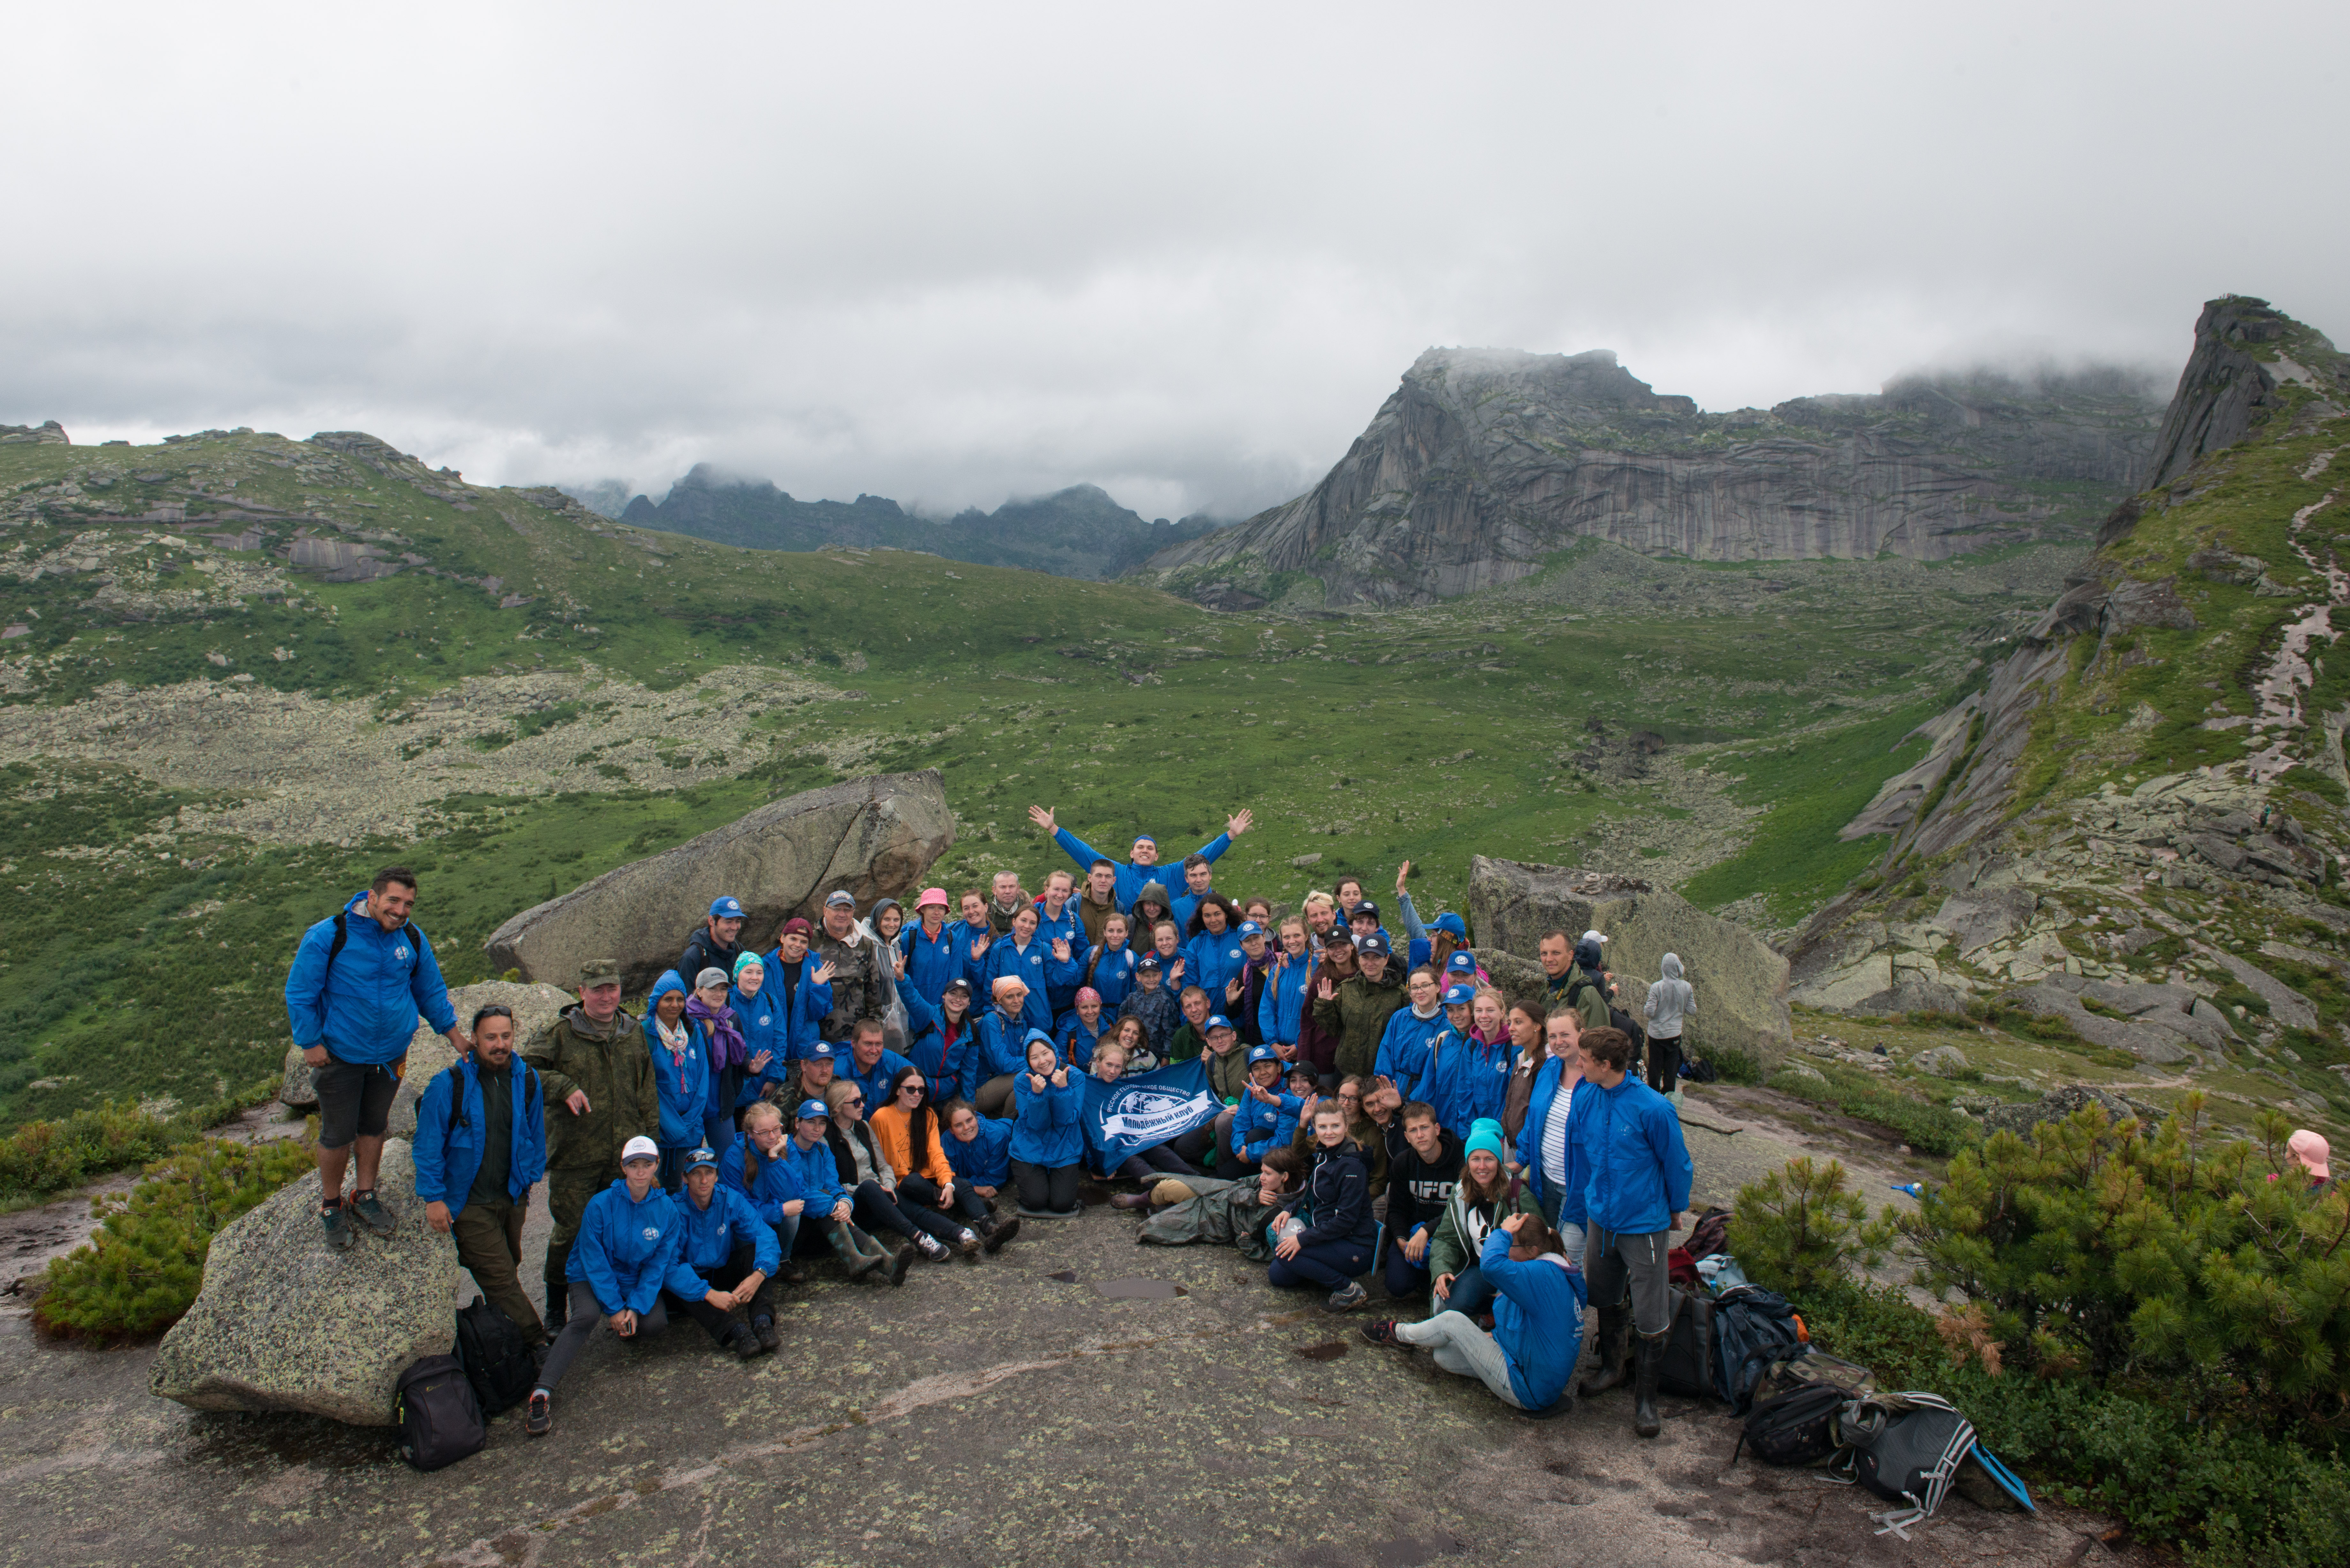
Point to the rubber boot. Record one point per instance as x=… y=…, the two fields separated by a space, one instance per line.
x=1614 y=1327
x=1650 y=1352
x=857 y=1252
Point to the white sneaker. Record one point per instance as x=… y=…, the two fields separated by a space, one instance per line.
x=933 y=1249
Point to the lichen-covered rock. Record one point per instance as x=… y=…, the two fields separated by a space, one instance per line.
x=296 y=1090
x=1942 y=1061
x=2054 y=1107
x=284 y=1324
x=1742 y=984
x=535 y=1008
x=875 y=836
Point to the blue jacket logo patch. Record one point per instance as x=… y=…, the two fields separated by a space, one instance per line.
x=653 y=1233
x=400 y=953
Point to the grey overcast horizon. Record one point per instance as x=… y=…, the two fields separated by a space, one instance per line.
x=958 y=255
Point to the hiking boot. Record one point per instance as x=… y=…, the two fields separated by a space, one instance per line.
x=742 y=1342
x=1347 y=1299
x=1129 y=1200
x=1615 y=1325
x=967 y=1243
x=899 y=1263
x=539 y=1420
x=1003 y=1231
x=1651 y=1353
x=765 y=1327
x=339 y=1234
x=1382 y=1331
x=370 y=1210
x=791 y=1274
x=933 y=1249
x=558 y=1308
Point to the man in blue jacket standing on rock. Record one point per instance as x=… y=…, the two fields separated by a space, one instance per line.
x=480 y=1145
x=359 y=980
x=1636 y=1197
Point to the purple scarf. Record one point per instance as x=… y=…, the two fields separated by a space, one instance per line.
x=726 y=1045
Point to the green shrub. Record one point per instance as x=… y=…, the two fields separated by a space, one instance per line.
x=1798 y=1226
x=143 y=1268
x=1928 y=1128
x=43 y=1157
x=1736 y=1066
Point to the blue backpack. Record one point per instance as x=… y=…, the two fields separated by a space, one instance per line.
x=1753 y=1327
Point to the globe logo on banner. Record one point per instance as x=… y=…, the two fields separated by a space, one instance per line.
x=1146 y=1108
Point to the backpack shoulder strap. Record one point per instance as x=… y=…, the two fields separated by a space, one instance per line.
x=342 y=919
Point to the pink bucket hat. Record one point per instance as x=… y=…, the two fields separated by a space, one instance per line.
x=934 y=895
x=2313 y=1151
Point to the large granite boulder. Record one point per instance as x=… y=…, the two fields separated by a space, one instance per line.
x=283 y=1324
x=2159 y=1024
x=2060 y=1103
x=875 y=836
x=1742 y=984
x=535 y=1008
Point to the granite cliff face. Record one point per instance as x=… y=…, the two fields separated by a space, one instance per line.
x=1484 y=461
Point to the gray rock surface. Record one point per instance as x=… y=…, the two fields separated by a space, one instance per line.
x=284 y=1325
x=1942 y=1061
x=535 y=1011
x=48 y=432
x=1483 y=461
x=296 y=1091
x=874 y=836
x=1742 y=984
x=2160 y=1024
x=2054 y=1107
x=1981 y=916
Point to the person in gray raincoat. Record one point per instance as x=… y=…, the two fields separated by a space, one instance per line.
x=1228 y=1213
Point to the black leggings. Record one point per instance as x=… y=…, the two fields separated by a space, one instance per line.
x=967 y=1210
x=1046 y=1189
x=1159 y=1157
x=1664 y=1064
x=877 y=1212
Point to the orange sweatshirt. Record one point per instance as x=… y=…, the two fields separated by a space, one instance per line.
x=890 y=1129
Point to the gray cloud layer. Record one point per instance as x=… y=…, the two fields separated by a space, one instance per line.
x=953 y=254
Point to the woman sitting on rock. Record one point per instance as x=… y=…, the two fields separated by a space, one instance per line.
x=908 y=1131
x=630 y=1234
x=1537 y=1322
x=1108 y=1067
x=872 y=1183
x=1484 y=1196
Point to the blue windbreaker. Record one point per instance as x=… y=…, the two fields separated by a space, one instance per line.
x=986 y=1159
x=1281 y=1006
x=448 y=1157
x=1045 y=1129
x=1113 y=973
x=624 y=1248
x=818 y=1174
x=1071 y=930
x=1257 y=1126
x=1035 y=967
x=808 y=1005
x=708 y=1237
x=1639 y=1167
x=999 y=1045
x=773 y=1182
x=1075 y=1042
x=1132 y=878
x=1537 y=1319
x=1404 y=1048
x=1468 y=1078
x=946 y=1065
x=875 y=1080
x=930 y=961
x=683 y=1083
x=365 y=1009
x=1210 y=962
x=1530 y=1137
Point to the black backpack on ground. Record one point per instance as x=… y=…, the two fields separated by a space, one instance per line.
x=1906 y=1447
x=1686 y=1367
x=440 y=1422
x=1798 y=1427
x=1753 y=1327
x=496 y=1357
x=1709 y=1235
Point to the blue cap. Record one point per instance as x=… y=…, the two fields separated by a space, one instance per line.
x=726 y=909
x=824 y=1050
x=1218 y=1021
x=814 y=1110
x=1261 y=1054
x=1374 y=943
x=1460 y=963
x=705 y=1156
x=1452 y=923
x=1366 y=909
x=1460 y=995
x=1149 y=961
x=1250 y=928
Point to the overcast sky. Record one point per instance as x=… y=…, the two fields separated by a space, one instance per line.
x=952 y=254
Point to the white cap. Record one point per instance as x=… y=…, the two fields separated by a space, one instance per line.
x=1593 y=937
x=639 y=1147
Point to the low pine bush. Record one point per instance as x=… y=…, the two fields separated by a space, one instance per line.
x=1798 y=1226
x=1736 y=1066
x=143 y=1268
x=40 y=1159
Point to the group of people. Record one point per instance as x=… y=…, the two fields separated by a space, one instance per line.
x=910 y=1084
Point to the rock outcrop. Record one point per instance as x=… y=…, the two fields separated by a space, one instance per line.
x=1742 y=984
x=283 y=1324
x=1484 y=461
x=874 y=836
x=48 y=432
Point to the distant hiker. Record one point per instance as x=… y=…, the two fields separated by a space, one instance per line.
x=1537 y=1322
x=716 y=944
x=481 y=1144
x=857 y=988
x=680 y=1052
x=1331 y=1247
x=2311 y=1151
x=359 y=980
x=600 y=1094
x=1142 y=859
x=1637 y=1195
x=627 y=1238
x=723 y=1272
x=1357 y=1010
x=1572 y=980
x=1047 y=1140
x=1671 y=1003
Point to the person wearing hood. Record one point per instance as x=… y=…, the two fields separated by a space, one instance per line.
x=1671 y=1003
x=1151 y=912
x=1469 y=1064
x=1330 y=1248
x=883 y=924
x=1484 y=1196
x=1025 y=956
x=766 y=1037
x=680 y=1052
x=934 y=948
x=722 y=1272
x=758 y=1166
x=710 y=1006
x=1420 y=1177
x=1060 y=930
x=1537 y=1322
x=628 y=1235
x=1048 y=1135
x=1357 y=1010
x=939 y=1040
x=480 y=1146
x=1408 y=1043
x=1109 y=964
x=1636 y=1197
x=600 y=1093
x=359 y=982
x=716 y=942
x=1142 y=863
